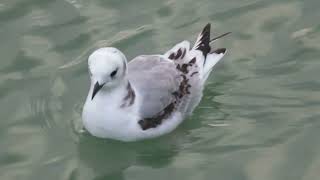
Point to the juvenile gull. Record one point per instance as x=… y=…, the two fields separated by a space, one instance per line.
x=149 y=96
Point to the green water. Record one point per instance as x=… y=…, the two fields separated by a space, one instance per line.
x=259 y=117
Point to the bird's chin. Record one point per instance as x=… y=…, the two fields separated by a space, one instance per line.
x=110 y=85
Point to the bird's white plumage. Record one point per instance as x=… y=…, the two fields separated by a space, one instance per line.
x=148 y=97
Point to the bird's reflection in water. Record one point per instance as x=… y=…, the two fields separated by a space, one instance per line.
x=108 y=159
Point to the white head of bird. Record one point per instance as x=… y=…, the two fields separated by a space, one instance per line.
x=107 y=68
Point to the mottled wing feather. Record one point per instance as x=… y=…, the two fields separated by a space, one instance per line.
x=156 y=79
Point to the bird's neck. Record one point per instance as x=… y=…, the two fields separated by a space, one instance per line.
x=122 y=95
x=112 y=112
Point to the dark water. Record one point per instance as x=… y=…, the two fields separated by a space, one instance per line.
x=259 y=118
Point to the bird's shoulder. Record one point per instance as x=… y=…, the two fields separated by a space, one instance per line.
x=156 y=79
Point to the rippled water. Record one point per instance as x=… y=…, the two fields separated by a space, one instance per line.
x=259 y=118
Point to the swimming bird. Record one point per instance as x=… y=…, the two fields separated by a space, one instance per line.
x=152 y=94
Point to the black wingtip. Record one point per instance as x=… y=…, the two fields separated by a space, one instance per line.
x=219 y=51
x=204 y=46
x=207 y=28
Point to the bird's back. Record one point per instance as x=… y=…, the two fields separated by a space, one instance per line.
x=155 y=78
x=173 y=82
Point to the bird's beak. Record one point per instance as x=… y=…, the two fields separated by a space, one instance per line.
x=96 y=88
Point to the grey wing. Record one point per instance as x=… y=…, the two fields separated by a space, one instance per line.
x=155 y=79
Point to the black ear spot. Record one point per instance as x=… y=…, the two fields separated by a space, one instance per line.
x=114 y=73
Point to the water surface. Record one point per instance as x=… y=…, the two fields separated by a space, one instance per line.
x=259 y=118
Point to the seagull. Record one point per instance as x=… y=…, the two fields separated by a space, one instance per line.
x=152 y=94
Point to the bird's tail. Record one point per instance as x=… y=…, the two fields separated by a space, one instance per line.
x=203 y=55
x=210 y=55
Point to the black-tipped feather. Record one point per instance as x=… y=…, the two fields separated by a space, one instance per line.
x=204 y=46
x=219 y=51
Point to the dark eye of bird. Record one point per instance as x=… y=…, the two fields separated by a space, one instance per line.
x=114 y=73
